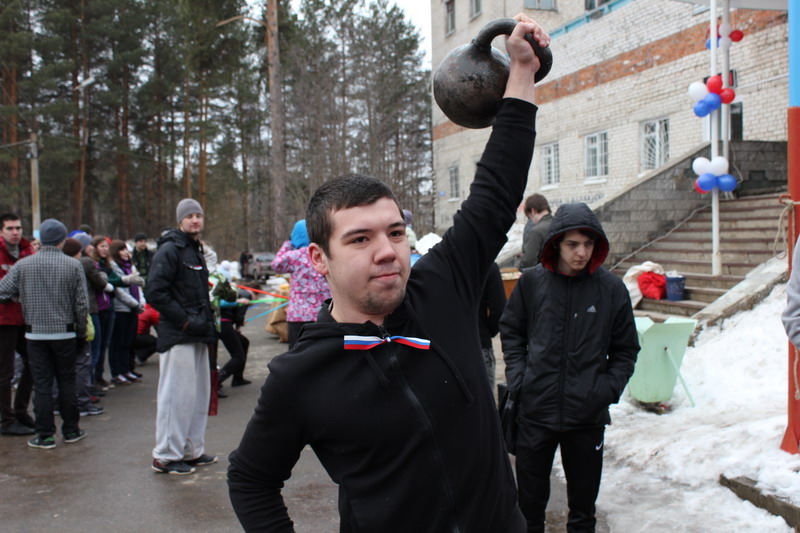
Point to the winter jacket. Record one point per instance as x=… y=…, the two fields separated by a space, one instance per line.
x=126 y=298
x=147 y=319
x=177 y=287
x=96 y=283
x=51 y=287
x=11 y=312
x=142 y=260
x=532 y=241
x=307 y=287
x=236 y=313
x=569 y=342
x=411 y=436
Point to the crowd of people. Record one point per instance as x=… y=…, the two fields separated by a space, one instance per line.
x=77 y=317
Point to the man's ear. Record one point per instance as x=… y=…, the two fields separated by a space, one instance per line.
x=318 y=258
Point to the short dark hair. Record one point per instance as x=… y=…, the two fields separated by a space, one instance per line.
x=586 y=232
x=344 y=192
x=536 y=201
x=86 y=228
x=139 y=237
x=8 y=217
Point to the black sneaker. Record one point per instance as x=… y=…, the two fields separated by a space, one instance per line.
x=177 y=468
x=74 y=437
x=203 y=460
x=44 y=443
x=17 y=429
x=240 y=382
x=93 y=411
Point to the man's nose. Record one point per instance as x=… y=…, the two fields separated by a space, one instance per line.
x=385 y=250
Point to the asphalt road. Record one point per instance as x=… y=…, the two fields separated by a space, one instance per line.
x=105 y=483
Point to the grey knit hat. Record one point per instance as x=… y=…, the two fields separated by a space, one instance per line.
x=84 y=238
x=186 y=207
x=52 y=232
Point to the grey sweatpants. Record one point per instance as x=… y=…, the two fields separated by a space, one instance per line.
x=184 y=389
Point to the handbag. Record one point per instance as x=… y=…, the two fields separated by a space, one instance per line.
x=509 y=409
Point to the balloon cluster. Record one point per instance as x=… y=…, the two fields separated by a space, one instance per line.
x=712 y=174
x=725 y=37
x=710 y=95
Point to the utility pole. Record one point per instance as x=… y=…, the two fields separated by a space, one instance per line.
x=35 y=213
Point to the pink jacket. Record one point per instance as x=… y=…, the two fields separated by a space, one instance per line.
x=308 y=288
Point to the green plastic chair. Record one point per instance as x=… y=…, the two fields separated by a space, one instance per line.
x=659 y=362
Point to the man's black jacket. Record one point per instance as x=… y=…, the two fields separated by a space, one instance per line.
x=411 y=436
x=177 y=287
x=569 y=342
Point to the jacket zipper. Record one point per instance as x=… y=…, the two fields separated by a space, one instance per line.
x=562 y=374
x=426 y=421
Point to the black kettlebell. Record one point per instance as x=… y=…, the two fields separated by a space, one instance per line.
x=471 y=80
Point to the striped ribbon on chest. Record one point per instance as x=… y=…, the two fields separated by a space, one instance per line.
x=361 y=342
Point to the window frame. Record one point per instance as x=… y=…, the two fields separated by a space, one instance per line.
x=600 y=158
x=661 y=142
x=475 y=8
x=550 y=165
x=449 y=16
x=537 y=4
x=454 y=182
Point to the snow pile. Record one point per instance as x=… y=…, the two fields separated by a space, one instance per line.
x=662 y=472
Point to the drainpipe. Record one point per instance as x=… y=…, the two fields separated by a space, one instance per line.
x=792 y=435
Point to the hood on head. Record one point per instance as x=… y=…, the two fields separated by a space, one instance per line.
x=570 y=217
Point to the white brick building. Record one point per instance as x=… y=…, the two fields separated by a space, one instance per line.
x=618 y=85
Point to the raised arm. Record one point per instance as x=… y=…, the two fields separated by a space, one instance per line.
x=524 y=63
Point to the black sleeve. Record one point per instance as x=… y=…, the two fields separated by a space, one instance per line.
x=268 y=451
x=160 y=279
x=479 y=228
x=93 y=276
x=514 y=335
x=624 y=347
x=494 y=294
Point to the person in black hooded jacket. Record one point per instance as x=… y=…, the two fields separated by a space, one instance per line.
x=570 y=345
x=177 y=287
x=389 y=387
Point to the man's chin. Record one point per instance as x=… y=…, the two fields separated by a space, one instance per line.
x=385 y=304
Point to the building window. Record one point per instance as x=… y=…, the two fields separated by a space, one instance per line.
x=454 y=185
x=594 y=4
x=655 y=143
x=550 y=168
x=540 y=4
x=596 y=150
x=449 y=16
x=474 y=8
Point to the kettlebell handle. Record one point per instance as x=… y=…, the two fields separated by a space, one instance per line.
x=505 y=26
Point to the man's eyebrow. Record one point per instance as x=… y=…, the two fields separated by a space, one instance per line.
x=358 y=231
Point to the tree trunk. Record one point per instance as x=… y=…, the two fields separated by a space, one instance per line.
x=187 y=153
x=278 y=153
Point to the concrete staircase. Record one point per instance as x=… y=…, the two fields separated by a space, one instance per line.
x=748 y=227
